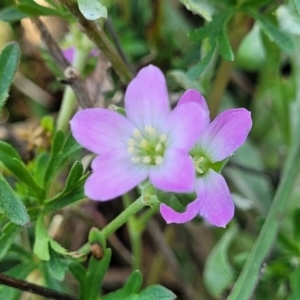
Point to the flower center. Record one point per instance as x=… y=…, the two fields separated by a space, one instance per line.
x=201 y=165
x=147 y=147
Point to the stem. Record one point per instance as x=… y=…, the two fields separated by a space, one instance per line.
x=69 y=100
x=97 y=35
x=248 y=278
x=33 y=288
x=239 y=27
x=123 y=217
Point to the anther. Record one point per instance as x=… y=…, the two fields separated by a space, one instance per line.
x=146 y=160
x=163 y=138
x=130 y=149
x=158 y=160
x=131 y=142
x=144 y=144
x=137 y=133
x=158 y=147
x=150 y=130
x=135 y=159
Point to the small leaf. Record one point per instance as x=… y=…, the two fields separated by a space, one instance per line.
x=9 y=61
x=12 y=206
x=94 y=275
x=74 y=176
x=183 y=81
x=57 y=265
x=195 y=71
x=274 y=34
x=12 y=161
x=92 y=9
x=131 y=287
x=224 y=46
x=95 y=236
x=156 y=291
x=58 y=142
x=11 y=14
x=7 y=237
x=41 y=245
x=218 y=273
x=35 y=10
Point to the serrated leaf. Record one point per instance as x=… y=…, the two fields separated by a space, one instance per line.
x=131 y=287
x=11 y=14
x=7 y=237
x=218 y=273
x=92 y=9
x=202 y=8
x=57 y=265
x=224 y=46
x=9 y=61
x=195 y=71
x=12 y=206
x=274 y=34
x=41 y=245
x=156 y=291
x=12 y=161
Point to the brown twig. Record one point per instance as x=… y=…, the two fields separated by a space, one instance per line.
x=97 y=35
x=72 y=76
x=33 y=288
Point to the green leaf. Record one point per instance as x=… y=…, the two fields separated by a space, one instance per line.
x=41 y=245
x=183 y=81
x=218 y=274
x=94 y=275
x=274 y=34
x=12 y=206
x=294 y=284
x=296 y=225
x=297 y=5
x=132 y=286
x=58 y=142
x=155 y=292
x=57 y=265
x=7 y=237
x=74 y=176
x=11 y=14
x=195 y=71
x=31 y=8
x=175 y=200
x=92 y=9
x=9 y=61
x=63 y=200
x=255 y=4
x=206 y=9
x=12 y=160
x=224 y=46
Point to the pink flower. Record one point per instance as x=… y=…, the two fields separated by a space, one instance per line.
x=69 y=54
x=151 y=142
x=217 y=141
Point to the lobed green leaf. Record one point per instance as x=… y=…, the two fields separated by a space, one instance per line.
x=92 y=9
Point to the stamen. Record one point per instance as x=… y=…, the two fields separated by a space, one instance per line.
x=146 y=160
x=130 y=149
x=158 y=160
x=150 y=130
x=135 y=159
x=163 y=138
x=158 y=147
x=131 y=142
x=137 y=133
x=197 y=167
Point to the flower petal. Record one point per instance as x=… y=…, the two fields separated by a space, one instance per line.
x=146 y=98
x=194 y=96
x=227 y=132
x=175 y=174
x=172 y=216
x=184 y=126
x=113 y=175
x=216 y=205
x=101 y=130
